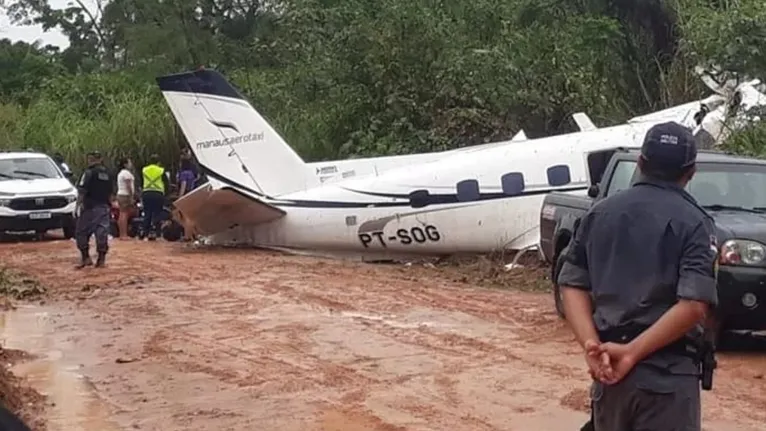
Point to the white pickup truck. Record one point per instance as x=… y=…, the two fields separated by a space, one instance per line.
x=35 y=196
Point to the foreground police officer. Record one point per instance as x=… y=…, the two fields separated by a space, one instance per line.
x=154 y=187
x=646 y=258
x=93 y=203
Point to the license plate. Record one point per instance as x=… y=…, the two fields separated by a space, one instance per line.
x=39 y=216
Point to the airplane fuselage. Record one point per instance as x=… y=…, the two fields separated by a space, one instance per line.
x=477 y=201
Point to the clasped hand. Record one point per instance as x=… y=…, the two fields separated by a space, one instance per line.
x=608 y=362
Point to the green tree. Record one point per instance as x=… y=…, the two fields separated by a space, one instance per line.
x=25 y=68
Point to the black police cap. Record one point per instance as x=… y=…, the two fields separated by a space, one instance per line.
x=669 y=146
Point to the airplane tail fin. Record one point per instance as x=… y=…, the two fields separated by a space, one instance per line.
x=230 y=139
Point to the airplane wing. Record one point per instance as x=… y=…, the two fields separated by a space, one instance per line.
x=217 y=206
x=682 y=114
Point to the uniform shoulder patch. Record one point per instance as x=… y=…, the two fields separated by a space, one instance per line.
x=714 y=244
x=714 y=251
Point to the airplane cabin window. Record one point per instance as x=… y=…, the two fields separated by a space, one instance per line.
x=559 y=175
x=468 y=190
x=513 y=183
x=622 y=177
x=419 y=198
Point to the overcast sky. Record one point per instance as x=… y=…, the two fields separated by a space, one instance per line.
x=32 y=33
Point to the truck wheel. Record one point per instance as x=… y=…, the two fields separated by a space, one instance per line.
x=556 y=290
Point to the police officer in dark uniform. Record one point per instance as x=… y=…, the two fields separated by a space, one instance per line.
x=93 y=202
x=637 y=283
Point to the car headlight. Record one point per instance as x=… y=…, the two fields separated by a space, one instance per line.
x=70 y=194
x=742 y=252
x=5 y=199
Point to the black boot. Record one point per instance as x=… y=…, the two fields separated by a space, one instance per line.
x=101 y=261
x=85 y=260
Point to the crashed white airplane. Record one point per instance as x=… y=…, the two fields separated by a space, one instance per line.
x=475 y=199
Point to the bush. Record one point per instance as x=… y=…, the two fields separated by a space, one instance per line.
x=107 y=112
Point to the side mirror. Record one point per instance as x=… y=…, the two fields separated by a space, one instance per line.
x=593 y=191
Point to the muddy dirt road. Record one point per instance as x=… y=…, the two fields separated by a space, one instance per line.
x=249 y=340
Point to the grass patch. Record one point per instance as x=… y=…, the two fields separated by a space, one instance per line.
x=489 y=270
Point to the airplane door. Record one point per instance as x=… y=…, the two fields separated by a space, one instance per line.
x=597 y=163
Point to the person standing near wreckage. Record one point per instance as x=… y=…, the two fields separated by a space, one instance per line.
x=93 y=208
x=637 y=283
x=186 y=178
x=126 y=195
x=154 y=188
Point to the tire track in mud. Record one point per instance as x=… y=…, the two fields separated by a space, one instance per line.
x=470 y=351
x=532 y=326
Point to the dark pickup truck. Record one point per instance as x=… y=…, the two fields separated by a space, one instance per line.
x=731 y=188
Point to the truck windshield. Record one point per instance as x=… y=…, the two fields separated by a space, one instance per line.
x=28 y=168
x=714 y=184
x=729 y=185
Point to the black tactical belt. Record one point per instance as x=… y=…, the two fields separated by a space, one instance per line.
x=625 y=334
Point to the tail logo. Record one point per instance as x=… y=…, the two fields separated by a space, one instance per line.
x=230 y=140
x=224 y=125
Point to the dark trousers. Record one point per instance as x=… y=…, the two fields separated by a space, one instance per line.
x=93 y=221
x=10 y=421
x=671 y=402
x=153 y=203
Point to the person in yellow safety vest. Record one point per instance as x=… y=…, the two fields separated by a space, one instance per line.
x=154 y=188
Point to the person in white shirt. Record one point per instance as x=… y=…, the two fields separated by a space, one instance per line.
x=126 y=195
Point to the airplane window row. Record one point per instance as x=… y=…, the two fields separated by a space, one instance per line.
x=468 y=190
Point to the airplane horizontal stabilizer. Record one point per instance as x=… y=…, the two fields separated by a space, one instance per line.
x=209 y=210
x=521 y=136
x=583 y=122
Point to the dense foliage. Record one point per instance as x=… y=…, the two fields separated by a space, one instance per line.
x=368 y=77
